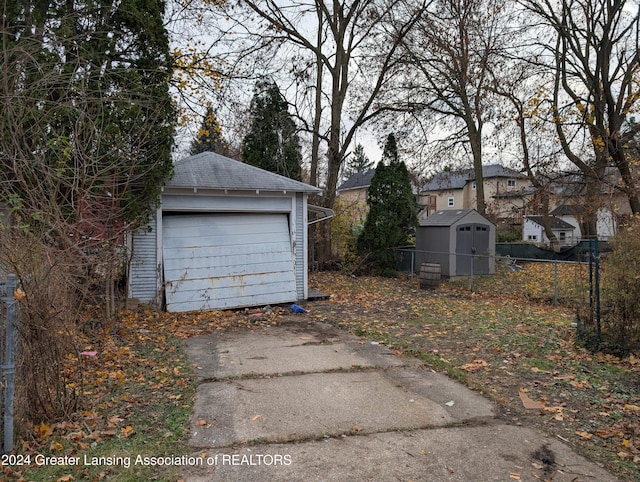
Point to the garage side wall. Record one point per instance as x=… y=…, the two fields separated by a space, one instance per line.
x=144 y=281
x=300 y=246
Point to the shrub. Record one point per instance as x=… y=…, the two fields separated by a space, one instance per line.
x=621 y=290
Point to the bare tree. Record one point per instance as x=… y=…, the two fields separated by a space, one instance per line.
x=450 y=57
x=331 y=43
x=595 y=60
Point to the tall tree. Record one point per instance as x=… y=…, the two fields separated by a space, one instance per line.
x=272 y=142
x=448 y=60
x=595 y=62
x=209 y=136
x=86 y=132
x=86 y=129
x=329 y=44
x=357 y=162
x=392 y=211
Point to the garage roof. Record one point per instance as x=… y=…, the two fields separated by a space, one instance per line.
x=209 y=170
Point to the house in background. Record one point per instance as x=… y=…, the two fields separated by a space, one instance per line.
x=226 y=235
x=506 y=192
x=606 y=224
x=356 y=187
x=533 y=231
x=351 y=195
x=611 y=208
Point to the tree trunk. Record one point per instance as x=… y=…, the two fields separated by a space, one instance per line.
x=630 y=189
x=475 y=137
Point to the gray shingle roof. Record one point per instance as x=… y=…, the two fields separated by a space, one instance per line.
x=556 y=223
x=208 y=170
x=568 y=210
x=358 y=180
x=447 y=217
x=457 y=179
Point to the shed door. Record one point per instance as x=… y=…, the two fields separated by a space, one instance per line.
x=218 y=261
x=472 y=246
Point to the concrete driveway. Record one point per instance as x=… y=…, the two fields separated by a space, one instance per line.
x=306 y=401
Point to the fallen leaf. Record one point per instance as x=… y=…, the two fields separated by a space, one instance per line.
x=65 y=478
x=127 y=431
x=564 y=377
x=43 y=430
x=476 y=365
x=514 y=476
x=55 y=446
x=628 y=406
x=583 y=384
x=584 y=435
x=256 y=417
x=529 y=403
x=113 y=421
x=201 y=423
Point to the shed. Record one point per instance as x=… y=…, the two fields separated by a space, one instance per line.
x=462 y=241
x=226 y=235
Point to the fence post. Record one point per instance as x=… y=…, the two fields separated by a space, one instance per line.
x=555 y=283
x=597 y=291
x=9 y=367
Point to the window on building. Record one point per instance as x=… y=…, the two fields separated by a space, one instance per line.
x=563 y=235
x=450 y=202
x=511 y=183
x=532 y=237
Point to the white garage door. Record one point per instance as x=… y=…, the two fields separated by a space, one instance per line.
x=218 y=261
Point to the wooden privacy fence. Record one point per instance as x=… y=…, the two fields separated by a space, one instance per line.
x=7 y=354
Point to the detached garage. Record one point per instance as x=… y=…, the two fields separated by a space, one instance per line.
x=227 y=235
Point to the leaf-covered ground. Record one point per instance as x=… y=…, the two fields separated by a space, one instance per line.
x=517 y=352
x=514 y=347
x=138 y=391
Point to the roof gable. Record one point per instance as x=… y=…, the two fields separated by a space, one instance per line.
x=209 y=170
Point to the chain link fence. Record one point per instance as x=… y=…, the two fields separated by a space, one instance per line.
x=569 y=280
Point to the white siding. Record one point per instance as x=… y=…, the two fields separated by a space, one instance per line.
x=533 y=232
x=300 y=223
x=144 y=271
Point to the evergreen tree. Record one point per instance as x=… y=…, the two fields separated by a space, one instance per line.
x=272 y=142
x=357 y=162
x=392 y=211
x=209 y=137
x=88 y=120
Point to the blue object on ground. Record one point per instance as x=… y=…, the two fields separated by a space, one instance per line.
x=298 y=309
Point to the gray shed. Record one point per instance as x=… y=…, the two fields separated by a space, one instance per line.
x=462 y=241
x=226 y=235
